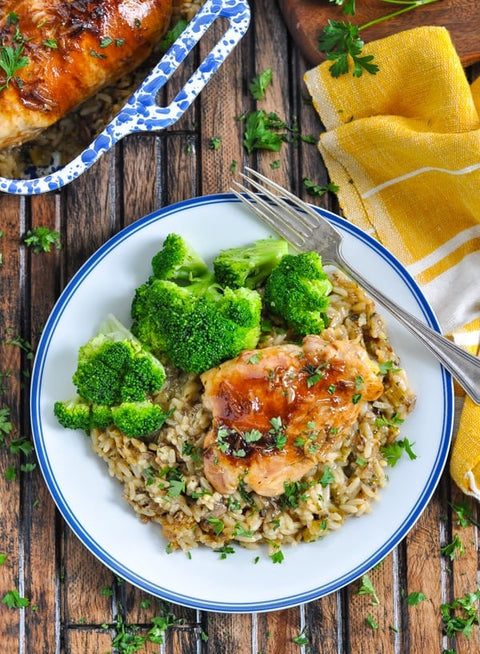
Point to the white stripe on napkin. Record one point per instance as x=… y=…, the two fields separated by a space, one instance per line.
x=414 y=173
x=445 y=290
x=444 y=250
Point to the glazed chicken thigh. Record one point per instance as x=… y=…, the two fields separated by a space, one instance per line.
x=279 y=410
x=64 y=51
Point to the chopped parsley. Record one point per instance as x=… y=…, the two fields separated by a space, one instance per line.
x=41 y=239
x=326 y=477
x=366 y=588
x=415 y=598
x=217 y=524
x=14 y=600
x=258 y=86
x=393 y=451
x=452 y=549
x=460 y=615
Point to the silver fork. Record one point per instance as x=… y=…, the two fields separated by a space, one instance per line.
x=297 y=222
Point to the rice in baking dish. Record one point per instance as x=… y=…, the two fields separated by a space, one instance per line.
x=67 y=138
x=163 y=480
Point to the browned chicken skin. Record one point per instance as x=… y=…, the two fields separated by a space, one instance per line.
x=277 y=411
x=73 y=48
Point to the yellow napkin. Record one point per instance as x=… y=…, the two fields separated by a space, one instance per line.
x=403 y=146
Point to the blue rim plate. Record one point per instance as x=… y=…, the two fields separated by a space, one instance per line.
x=91 y=501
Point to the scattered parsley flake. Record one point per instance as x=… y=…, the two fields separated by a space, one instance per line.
x=452 y=549
x=366 y=588
x=415 y=598
x=13 y=600
x=259 y=84
x=41 y=239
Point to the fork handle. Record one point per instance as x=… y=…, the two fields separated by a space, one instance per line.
x=462 y=365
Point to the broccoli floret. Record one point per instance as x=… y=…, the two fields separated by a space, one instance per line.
x=114 y=367
x=115 y=373
x=100 y=416
x=196 y=326
x=177 y=261
x=250 y=265
x=138 y=419
x=73 y=413
x=297 y=291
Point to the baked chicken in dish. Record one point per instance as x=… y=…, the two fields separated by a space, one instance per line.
x=278 y=411
x=54 y=54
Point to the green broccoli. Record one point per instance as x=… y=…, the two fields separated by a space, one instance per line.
x=116 y=377
x=178 y=262
x=138 y=419
x=114 y=367
x=196 y=326
x=182 y=312
x=74 y=413
x=297 y=291
x=249 y=265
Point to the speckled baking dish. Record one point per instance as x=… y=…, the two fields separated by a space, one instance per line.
x=141 y=113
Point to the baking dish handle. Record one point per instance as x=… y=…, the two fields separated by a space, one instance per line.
x=141 y=113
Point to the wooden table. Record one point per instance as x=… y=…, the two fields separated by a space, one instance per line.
x=75 y=600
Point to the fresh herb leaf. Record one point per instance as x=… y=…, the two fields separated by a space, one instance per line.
x=252 y=436
x=387 y=366
x=11 y=61
x=460 y=615
x=371 y=621
x=348 y=6
x=13 y=600
x=415 y=598
x=241 y=531
x=214 y=142
x=259 y=84
x=393 y=451
x=463 y=511
x=176 y=488
x=41 y=239
x=327 y=477
x=217 y=524
x=318 y=191
x=452 y=549
x=341 y=43
x=366 y=588
x=259 y=134
x=301 y=639
x=172 y=35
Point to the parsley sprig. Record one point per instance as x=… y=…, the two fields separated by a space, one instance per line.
x=341 y=41
x=12 y=57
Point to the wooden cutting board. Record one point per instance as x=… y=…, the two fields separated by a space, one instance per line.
x=306 y=18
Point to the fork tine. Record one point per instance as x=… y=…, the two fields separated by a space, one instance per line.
x=311 y=217
x=289 y=216
x=264 y=210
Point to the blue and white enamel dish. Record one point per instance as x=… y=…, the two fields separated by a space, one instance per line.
x=91 y=501
x=141 y=112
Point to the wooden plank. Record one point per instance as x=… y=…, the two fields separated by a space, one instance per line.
x=139 y=189
x=323 y=624
x=87 y=641
x=11 y=572
x=279 y=627
x=424 y=574
x=39 y=534
x=219 y=112
x=228 y=633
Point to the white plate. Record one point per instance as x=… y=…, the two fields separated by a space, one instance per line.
x=91 y=501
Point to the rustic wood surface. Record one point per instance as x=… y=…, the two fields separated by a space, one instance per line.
x=77 y=606
x=306 y=19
